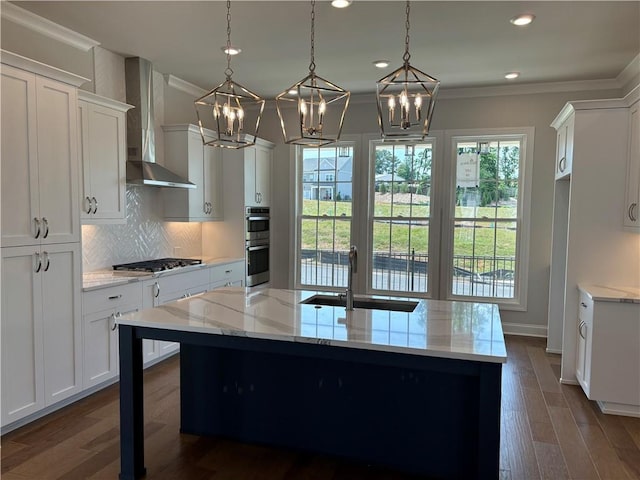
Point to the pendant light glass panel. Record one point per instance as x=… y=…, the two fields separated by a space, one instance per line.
x=312 y=110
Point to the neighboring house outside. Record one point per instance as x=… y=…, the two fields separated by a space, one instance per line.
x=327 y=178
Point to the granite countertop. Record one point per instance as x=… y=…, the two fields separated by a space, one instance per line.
x=109 y=278
x=611 y=294
x=460 y=330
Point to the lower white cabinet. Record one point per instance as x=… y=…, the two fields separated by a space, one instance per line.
x=41 y=327
x=165 y=289
x=100 y=308
x=608 y=353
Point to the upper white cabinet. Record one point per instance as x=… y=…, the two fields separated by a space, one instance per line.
x=40 y=198
x=41 y=327
x=632 y=204
x=102 y=140
x=257 y=175
x=186 y=155
x=564 y=146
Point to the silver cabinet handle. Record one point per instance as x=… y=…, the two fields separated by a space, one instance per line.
x=37 y=222
x=257 y=198
x=46 y=227
x=46 y=257
x=157 y=287
x=113 y=317
x=88 y=201
x=210 y=208
x=562 y=164
x=582 y=324
x=583 y=305
x=631 y=212
x=115 y=297
x=204 y=207
x=39 y=262
x=95 y=204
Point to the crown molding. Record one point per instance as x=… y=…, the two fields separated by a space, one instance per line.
x=184 y=86
x=103 y=101
x=34 y=22
x=24 y=63
x=630 y=73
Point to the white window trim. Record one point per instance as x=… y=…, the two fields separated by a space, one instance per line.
x=519 y=302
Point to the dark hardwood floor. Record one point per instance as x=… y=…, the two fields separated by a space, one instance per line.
x=549 y=431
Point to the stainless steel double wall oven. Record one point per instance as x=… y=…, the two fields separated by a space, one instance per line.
x=257 y=245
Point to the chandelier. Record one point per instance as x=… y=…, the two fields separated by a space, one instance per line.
x=312 y=110
x=230 y=111
x=405 y=99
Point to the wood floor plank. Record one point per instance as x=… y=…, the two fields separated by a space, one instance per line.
x=550 y=461
x=542 y=432
x=604 y=456
x=536 y=406
x=580 y=406
x=574 y=450
x=520 y=453
x=542 y=368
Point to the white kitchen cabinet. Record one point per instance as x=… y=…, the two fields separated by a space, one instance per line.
x=227 y=275
x=608 y=354
x=632 y=203
x=100 y=308
x=41 y=327
x=164 y=289
x=102 y=147
x=186 y=155
x=564 y=146
x=40 y=198
x=257 y=175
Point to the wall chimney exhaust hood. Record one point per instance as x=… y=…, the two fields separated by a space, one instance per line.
x=142 y=168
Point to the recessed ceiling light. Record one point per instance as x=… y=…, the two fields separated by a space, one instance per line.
x=232 y=50
x=512 y=75
x=341 y=3
x=523 y=19
x=381 y=63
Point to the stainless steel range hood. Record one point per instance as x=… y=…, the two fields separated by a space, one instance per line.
x=142 y=168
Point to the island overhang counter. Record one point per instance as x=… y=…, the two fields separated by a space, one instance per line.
x=417 y=391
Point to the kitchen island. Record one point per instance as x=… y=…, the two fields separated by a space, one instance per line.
x=418 y=391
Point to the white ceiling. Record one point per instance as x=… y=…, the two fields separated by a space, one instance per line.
x=463 y=44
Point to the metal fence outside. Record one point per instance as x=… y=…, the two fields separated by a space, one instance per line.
x=479 y=276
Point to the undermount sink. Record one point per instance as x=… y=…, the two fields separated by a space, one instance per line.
x=369 y=303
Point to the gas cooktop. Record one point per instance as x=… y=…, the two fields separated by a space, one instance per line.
x=157 y=265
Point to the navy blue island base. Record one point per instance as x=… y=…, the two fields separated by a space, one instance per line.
x=438 y=417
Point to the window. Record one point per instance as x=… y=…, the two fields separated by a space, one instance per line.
x=401 y=217
x=325 y=215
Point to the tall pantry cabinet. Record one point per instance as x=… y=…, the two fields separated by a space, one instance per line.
x=41 y=260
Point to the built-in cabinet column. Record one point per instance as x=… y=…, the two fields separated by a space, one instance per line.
x=257 y=175
x=632 y=204
x=41 y=262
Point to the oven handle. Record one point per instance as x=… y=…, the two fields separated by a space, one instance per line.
x=259 y=247
x=257 y=218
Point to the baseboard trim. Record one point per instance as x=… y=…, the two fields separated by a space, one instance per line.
x=554 y=350
x=524 y=329
x=612 y=408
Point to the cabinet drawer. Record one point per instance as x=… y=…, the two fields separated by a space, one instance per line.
x=585 y=308
x=223 y=274
x=183 y=282
x=111 y=297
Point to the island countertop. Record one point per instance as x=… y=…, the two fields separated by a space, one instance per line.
x=457 y=330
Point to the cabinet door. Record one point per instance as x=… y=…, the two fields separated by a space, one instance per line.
x=21 y=334
x=58 y=161
x=263 y=176
x=213 y=182
x=103 y=163
x=61 y=301
x=632 y=205
x=581 y=355
x=250 y=193
x=99 y=348
x=564 y=152
x=19 y=158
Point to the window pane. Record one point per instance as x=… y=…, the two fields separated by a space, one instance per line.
x=324 y=253
x=484 y=259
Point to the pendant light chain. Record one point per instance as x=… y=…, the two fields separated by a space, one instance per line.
x=228 y=72
x=407 y=55
x=312 y=65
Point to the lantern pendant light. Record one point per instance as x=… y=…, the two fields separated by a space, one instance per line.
x=229 y=115
x=405 y=99
x=312 y=110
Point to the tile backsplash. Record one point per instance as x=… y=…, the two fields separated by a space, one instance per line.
x=145 y=235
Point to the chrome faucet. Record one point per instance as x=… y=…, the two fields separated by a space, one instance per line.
x=353 y=268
